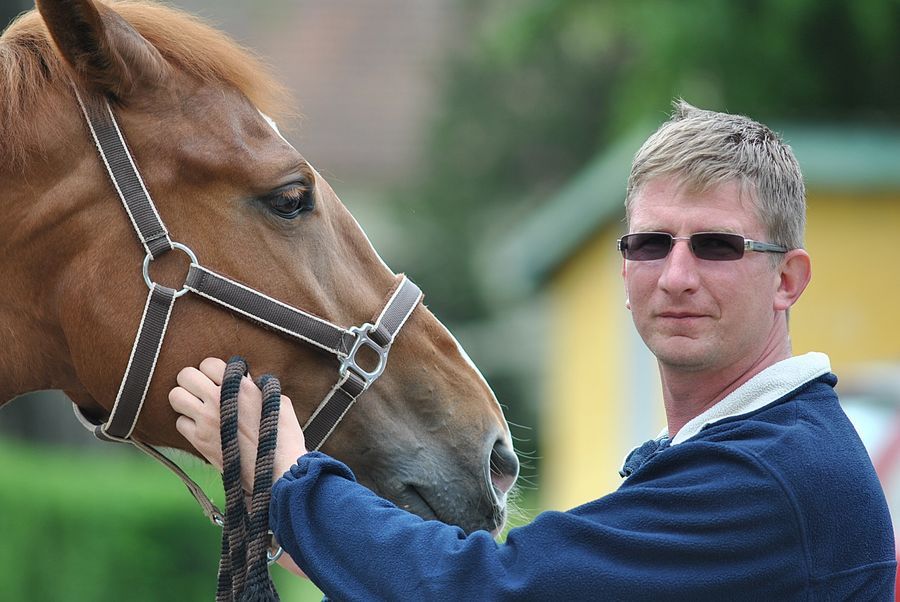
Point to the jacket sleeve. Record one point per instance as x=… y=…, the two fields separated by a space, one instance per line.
x=697 y=523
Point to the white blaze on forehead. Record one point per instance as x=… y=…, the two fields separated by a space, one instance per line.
x=274 y=126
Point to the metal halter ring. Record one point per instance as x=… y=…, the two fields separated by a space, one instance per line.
x=148 y=258
x=363 y=338
x=272 y=557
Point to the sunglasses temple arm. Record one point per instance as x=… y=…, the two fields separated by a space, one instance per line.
x=755 y=245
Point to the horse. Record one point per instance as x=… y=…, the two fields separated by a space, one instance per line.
x=197 y=113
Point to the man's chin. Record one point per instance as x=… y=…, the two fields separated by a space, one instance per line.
x=684 y=355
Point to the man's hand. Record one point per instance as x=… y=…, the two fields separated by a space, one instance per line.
x=197 y=400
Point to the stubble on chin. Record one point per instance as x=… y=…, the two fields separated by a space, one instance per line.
x=683 y=354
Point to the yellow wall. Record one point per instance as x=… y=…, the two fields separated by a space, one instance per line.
x=602 y=395
x=851 y=310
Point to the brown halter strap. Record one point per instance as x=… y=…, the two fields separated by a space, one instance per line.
x=243 y=300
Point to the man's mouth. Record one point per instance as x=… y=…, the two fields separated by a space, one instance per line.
x=680 y=315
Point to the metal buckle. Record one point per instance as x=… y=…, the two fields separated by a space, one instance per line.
x=148 y=258
x=274 y=551
x=362 y=338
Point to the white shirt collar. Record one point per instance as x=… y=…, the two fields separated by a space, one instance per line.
x=774 y=382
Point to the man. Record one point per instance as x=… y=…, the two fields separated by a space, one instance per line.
x=759 y=489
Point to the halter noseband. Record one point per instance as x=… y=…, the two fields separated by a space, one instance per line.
x=288 y=321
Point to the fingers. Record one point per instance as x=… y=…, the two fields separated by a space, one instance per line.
x=204 y=384
x=196 y=399
x=186 y=426
x=214 y=369
x=249 y=410
x=290 y=444
x=249 y=395
x=199 y=385
x=185 y=403
x=287 y=408
x=204 y=436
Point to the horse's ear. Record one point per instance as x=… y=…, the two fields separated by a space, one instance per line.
x=107 y=54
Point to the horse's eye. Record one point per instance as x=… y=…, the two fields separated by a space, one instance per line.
x=290 y=201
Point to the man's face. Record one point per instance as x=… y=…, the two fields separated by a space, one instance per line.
x=697 y=314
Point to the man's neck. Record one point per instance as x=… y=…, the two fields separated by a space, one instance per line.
x=687 y=394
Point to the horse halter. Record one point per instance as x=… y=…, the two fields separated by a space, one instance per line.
x=288 y=321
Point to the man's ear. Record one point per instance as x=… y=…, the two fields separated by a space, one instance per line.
x=107 y=54
x=794 y=274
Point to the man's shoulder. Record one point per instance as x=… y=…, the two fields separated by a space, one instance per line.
x=806 y=421
x=809 y=449
x=802 y=445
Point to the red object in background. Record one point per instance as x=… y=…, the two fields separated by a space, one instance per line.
x=871 y=398
x=887 y=464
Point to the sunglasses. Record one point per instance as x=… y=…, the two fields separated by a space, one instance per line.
x=712 y=246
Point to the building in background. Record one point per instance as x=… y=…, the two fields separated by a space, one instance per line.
x=364 y=76
x=601 y=394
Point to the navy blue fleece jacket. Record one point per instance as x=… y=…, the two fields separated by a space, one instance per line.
x=781 y=503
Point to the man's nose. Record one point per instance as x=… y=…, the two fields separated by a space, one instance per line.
x=680 y=274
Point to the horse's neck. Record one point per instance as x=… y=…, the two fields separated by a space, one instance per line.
x=33 y=351
x=31 y=357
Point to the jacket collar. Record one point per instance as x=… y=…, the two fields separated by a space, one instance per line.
x=771 y=384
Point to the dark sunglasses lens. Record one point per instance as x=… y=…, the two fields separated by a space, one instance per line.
x=717 y=246
x=646 y=246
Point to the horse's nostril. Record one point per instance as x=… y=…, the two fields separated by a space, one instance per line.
x=504 y=466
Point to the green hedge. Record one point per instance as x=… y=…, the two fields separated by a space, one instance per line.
x=97 y=527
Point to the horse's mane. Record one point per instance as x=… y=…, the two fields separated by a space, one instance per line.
x=30 y=66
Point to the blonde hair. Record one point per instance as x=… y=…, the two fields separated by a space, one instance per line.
x=704 y=148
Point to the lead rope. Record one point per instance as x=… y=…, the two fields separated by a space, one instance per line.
x=243 y=566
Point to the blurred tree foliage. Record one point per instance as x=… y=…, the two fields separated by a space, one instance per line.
x=98 y=528
x=536 y=88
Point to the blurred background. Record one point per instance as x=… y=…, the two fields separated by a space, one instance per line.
x=484 y=147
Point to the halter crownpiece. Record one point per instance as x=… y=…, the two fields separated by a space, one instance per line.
x=343 y=343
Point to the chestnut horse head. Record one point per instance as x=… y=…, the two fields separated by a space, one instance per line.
x=429 y=434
